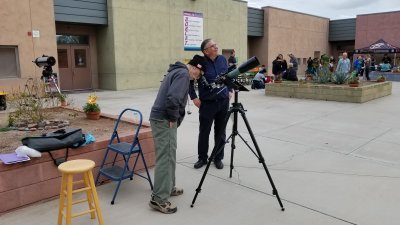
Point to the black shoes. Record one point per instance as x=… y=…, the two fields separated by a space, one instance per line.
x=200 y=164
x=218 y=164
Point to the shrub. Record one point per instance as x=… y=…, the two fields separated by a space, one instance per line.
x=340 y=77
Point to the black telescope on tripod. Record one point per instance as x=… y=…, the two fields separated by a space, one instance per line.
x=229 y=79
x=47 y=62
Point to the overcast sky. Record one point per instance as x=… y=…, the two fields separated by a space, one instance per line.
x=332 y=9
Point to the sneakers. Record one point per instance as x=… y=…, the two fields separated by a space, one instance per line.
x=219 y=164
x=165 y=207
x=176 y=191
x=200 y=164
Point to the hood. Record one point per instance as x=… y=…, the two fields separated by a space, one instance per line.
x=176 y=65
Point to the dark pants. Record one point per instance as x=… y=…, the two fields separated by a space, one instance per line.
x=257 y=84
x=212 y=111
x=367 y=73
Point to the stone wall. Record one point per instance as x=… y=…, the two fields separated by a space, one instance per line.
x=340 y=93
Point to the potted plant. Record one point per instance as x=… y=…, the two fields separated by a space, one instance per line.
x=91 y=108
x=353 y=82
x=380 y=78
x=63 y=99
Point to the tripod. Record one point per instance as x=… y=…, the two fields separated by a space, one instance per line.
x=235 y=109
x=51 y=82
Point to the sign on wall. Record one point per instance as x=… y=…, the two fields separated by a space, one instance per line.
x=192 y=30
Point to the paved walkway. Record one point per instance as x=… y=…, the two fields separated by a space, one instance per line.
x=333 y=164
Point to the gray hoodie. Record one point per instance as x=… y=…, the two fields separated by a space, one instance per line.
x=172 y=96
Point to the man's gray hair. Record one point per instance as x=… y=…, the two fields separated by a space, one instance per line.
x=204 y=43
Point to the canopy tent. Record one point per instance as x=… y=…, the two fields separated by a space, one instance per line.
x=380 y=46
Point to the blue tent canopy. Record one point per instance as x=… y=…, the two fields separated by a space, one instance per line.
x=380 y=46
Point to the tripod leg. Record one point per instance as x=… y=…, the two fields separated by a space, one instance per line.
x=217 y=148
x=261 y=159
x=233 y=135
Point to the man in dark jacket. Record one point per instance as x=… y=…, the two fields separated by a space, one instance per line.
x=213 y=104
x=166 y=115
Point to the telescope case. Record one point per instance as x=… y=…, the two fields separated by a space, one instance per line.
x=63 y=138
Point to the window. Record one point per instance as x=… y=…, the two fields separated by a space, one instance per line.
x=72 y=39
x=9 y=64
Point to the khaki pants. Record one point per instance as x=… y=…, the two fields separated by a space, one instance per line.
x=165 y=144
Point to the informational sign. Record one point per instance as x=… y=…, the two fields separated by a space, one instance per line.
x=192 y=30
x=35 y=33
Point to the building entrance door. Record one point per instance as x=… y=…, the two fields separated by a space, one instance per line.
x=74 y=67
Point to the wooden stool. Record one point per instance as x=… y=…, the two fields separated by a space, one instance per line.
x=68 y=170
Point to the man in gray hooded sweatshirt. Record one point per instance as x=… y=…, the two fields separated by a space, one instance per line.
x=166 y=115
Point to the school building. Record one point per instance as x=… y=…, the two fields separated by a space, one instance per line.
x=128 y=44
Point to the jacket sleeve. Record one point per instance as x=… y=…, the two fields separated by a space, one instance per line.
x=176 y=95
x=192 y=91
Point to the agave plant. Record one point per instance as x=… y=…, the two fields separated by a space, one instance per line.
x=322 y=75
x=340 y=77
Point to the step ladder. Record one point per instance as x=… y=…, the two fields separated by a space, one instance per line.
x=125 y=150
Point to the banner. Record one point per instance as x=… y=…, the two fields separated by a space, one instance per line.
x=192 y=30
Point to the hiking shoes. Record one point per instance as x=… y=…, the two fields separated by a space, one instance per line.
x=176 y=191
x=165 y=207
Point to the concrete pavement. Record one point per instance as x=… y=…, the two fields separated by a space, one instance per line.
x=333 y=163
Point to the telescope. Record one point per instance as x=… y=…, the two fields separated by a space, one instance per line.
x=246 y=66
x=45 y=61
x=229 y=77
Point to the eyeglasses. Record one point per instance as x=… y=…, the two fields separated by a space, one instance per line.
x=211 y=46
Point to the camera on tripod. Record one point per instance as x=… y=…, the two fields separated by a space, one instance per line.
x=47 y=62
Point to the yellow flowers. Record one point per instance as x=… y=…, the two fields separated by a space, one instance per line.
x=92 y=99
x=91 y=105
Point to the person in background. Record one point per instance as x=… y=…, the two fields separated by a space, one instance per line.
x=360 y=66
x=309 y=66
x=277 y=66
x=373 y=62
x=258 y=81
x=386 y=59
x=343 y=64
x=284 y=67
x=332 y=64
x=291 y=74
x=367 y=67
x=166 y=115
x=232 y=60
x=294 y=61
x=213 y=104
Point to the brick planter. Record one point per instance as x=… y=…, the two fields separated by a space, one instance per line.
x=38 y=179
x=341 y=93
